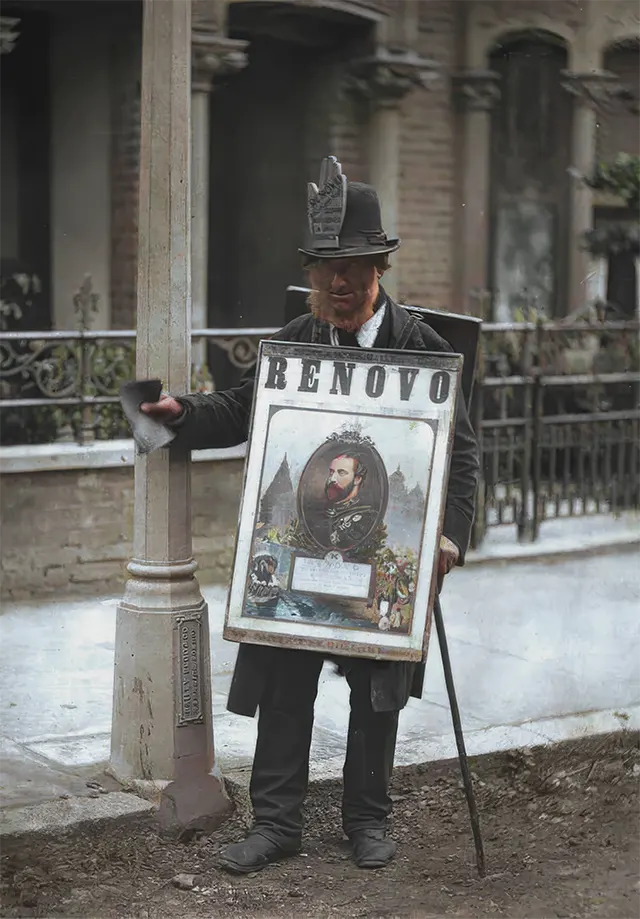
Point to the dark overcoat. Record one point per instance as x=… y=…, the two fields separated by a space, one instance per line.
x=222 y=420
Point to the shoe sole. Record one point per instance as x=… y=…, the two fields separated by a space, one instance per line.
x=372 y=865
x=236 y=868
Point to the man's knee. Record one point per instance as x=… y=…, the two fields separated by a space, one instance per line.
x=292 y=683
x=359 y=673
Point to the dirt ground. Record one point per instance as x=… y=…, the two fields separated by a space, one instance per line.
x=560 y=828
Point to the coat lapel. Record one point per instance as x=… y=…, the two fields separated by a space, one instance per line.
x=403 y=330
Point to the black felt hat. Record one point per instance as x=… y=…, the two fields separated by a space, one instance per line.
x=344 y=217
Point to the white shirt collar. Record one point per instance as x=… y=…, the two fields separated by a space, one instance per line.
x=368 y=332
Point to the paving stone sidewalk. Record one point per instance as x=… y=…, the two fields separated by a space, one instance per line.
x=542 y=650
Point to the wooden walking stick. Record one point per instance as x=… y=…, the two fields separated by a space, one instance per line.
x=457 y=729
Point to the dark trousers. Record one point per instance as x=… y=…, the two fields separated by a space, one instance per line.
x=281 y=765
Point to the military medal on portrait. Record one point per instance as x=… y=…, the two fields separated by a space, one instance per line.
x=343 y=500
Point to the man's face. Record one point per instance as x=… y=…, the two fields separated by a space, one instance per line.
x=341 y=479
x=343 y=290
x=266 y=567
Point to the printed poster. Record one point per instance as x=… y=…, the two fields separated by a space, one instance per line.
x=343 y=498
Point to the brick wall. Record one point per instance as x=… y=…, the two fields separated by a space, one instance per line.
x=427 y=170
x=70 y=531
x=427 y=167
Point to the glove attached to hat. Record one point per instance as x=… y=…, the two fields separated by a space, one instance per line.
x=344 y=217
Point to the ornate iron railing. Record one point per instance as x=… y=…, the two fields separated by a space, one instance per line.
x=556 y=407
x=557 y=414
x=63 y=386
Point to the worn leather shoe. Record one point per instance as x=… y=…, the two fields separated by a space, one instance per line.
x=372 y=849
x=252 y=854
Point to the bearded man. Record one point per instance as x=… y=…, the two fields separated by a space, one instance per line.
x=346 y=519
x=346 y=254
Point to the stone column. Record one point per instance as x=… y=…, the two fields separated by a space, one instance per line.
x=383 y=81
x=475 y=93
x=592 y=91
x=162 y=733
x=214 y=57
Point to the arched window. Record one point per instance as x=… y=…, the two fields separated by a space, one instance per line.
x=274 y=122
x=618 y=133
x=530 y=156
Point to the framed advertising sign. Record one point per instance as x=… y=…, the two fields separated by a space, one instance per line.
x=343 y=499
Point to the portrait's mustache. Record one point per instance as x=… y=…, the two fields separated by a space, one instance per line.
x=334 y=491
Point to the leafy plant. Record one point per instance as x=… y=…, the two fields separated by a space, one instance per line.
x=35 y=368
x=56 y=370
x=620 y=178
x=18 y=294
x=612 y=240
x=111 y=364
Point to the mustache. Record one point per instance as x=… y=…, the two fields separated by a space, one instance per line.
x=322 y=307
x=343 y=290
x=333 y=491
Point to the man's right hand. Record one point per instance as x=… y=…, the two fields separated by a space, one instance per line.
x=165 y=411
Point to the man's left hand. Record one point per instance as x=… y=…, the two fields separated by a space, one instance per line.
x=449 y=555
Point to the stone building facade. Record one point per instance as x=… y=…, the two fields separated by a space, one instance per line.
x=466 y=114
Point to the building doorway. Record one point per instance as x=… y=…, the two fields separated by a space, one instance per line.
x=530 y=157
x=271 y=125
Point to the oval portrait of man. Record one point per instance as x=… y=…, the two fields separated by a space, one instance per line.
x=343 y=494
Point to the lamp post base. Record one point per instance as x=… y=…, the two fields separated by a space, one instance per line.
x=162 y=728
x=200 y=803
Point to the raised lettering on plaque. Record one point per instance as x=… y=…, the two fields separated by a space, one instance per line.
x=190 y=645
